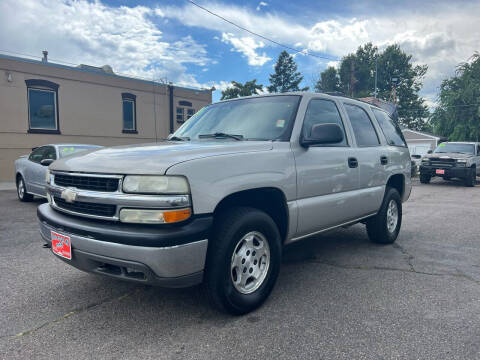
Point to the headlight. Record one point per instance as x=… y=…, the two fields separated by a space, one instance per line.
x=47 y=176
x=148 y=216
x=425 y=161
x=143 y=184
x=461 y=161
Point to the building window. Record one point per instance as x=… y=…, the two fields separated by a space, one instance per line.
x=129 y=103
x=42 y=98
x=180 y=114
x=190 y=113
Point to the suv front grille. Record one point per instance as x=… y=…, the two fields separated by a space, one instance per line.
x=86 y=208
x=92 y=183
x=442 y=162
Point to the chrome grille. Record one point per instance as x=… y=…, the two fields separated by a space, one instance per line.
x=105 y=184
x=443 y=163
x=86 y=207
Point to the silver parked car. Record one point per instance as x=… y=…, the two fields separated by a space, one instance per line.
x=30 y=170
x=220 y=198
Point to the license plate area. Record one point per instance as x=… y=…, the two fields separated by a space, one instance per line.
x=61 y=245
x=440 y=171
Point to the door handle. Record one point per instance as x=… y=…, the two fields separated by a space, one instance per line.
x=352 y=162
x=383 y=160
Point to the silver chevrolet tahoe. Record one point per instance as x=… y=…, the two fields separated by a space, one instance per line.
x=218 y=200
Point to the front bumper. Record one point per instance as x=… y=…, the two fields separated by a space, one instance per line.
x=457 y=172
x=158 y=255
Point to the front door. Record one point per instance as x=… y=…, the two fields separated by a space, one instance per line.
x=327 y=176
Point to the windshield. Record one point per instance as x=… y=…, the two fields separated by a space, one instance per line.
x=72 y=149
x=262 y=118
x=455 y=148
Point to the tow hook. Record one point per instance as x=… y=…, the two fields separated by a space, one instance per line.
x=46 y=246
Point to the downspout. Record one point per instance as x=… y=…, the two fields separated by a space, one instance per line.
x=170 y=92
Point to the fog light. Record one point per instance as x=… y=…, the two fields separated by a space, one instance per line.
x=144 y=216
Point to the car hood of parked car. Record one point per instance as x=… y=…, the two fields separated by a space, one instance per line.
x=154 y=158
x=448 y=155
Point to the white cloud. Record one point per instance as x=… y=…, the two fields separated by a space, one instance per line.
x=247 y=46
x=96 y=34
x=260 y=4
x=441 y=37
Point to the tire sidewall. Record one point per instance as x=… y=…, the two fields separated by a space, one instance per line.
x=254 y=221
x=392 y=194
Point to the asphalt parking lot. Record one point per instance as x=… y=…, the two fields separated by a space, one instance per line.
x=338 y=296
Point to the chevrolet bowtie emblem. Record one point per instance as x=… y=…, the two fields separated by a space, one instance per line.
x=69 y=195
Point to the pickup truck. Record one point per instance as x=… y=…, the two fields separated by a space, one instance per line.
x=452 y=160
x=218 y=200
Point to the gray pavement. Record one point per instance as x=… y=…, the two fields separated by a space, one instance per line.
x=338 y=296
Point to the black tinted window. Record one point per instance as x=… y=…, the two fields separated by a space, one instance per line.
x=50 y=153
x=37 y=154
x=362 y=126
x=322 y=112
x=390 y=129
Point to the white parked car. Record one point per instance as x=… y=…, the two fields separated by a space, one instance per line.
x=30 y=170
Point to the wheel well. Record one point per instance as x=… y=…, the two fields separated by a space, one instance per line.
x=270 y=200
x=17 y=177
x=397 y=181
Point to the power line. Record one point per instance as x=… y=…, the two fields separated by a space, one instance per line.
x=259 y=35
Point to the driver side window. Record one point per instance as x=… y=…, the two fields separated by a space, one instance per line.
x=320 y=111
x=37 y=155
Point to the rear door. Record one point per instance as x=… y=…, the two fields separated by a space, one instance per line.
x=326 y=183
x=372 y=158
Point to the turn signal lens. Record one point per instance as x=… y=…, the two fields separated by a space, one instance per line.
x=177 y=215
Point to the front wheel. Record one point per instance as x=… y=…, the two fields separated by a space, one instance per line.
x=384 y=227
x=471 y=178
x=243 y=260
x=425 y=179
x=22 y=191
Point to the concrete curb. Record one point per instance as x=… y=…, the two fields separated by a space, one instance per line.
x=7 y=185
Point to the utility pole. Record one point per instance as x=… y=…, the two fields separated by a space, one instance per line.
x=376 y=68
x=352 y=78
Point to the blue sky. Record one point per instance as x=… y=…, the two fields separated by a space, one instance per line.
x=175 y=40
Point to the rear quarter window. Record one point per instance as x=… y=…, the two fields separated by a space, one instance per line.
x=390 y=129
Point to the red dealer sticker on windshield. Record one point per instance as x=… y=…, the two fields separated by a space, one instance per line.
x=61 y=245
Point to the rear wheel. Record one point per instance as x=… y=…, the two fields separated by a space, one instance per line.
x=243 y=260
x=384 y=227
x=22 y=191
x=471 y=178
x=425 y=179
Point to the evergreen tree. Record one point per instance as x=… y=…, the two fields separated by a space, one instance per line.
x=240 y=90
x=329 y=81
x=286 y=78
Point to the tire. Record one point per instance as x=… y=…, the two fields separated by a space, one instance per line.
x=425 y=179
x=22 y=191
x=471 y=178
x=229 y=236
x=381 y=228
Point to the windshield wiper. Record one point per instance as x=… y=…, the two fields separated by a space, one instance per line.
x=220 y=135
x=178 y=138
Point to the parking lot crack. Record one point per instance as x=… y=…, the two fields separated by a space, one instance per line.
x=72 y=313
x=409 y=258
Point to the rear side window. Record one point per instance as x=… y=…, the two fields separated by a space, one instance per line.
x=321 y=111
x=391 y=130
x=363 y=129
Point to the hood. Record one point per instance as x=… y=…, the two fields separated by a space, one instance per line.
x=154 y=158
x=448 y=155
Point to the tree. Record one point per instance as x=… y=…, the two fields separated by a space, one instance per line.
x=286 y=78
x=329 y=81
x=357 y=79
x=239 y=89
x=458 y=114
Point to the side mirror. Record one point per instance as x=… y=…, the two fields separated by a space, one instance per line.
x=429 y=151
x=323 y=134
x=46 y=162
